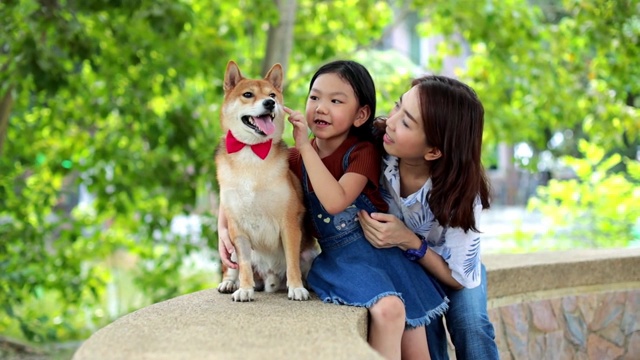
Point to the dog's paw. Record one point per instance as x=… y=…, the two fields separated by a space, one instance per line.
x=243 y=295
x=227 y=286
x=299 y=294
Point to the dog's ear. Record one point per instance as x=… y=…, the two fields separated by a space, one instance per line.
x=232 y=76
x=275 y=76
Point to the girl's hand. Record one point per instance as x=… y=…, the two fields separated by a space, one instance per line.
x=386 y=231
x=300 y=128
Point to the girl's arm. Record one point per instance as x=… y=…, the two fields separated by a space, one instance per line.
x=386 y=230
x=335 y=195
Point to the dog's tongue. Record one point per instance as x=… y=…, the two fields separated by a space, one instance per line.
x=265 y=124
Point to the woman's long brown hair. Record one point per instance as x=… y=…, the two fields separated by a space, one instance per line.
x=453 y=122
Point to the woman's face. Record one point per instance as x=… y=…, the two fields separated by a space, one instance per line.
x=405 y=137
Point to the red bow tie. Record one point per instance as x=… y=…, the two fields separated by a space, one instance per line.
x=235 y=145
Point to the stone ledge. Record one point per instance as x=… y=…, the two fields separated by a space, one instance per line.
x=208 y=325
x=512 y=275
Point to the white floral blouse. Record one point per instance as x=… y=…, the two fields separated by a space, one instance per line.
x=460 y=250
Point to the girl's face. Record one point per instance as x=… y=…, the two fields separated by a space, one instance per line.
x=332 y=107
x=405 y=136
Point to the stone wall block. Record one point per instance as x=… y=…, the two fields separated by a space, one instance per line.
x=558 y=311
x=501 y=342
x=536 y=347
x=633 y=347
x=556 y=347
x=588 y=306
x=504 y=354
x=609 y=312
x=543 y=317
x=601 y=349
x=613 y=333
x=569 y=304
x=516 y=327
x=631 y=317
x=577 y=329
x=582 y=355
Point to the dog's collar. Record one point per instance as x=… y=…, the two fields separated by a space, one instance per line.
x=235 y=145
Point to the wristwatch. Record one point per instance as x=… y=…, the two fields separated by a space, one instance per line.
x=417 y=254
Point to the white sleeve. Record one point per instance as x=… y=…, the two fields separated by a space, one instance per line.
x=462 y=253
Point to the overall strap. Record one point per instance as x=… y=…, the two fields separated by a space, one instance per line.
x=305 y=179
x=345 y=158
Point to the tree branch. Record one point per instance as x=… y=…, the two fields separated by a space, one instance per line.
x=280 y=37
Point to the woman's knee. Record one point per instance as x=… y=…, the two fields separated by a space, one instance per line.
x=389 y=308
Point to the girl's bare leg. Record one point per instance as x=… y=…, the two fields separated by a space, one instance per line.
x=414 y=344
x=387 y=326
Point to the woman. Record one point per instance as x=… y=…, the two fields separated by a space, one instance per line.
x=436 y=188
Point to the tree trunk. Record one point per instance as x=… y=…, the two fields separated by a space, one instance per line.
x=5 y=110
x=508 y=169
x=280 y=37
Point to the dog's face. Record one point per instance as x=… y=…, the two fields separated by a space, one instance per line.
x=253 y=108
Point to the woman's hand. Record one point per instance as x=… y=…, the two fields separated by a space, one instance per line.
x=300 y=128
x=225 y=246
x=225 y=249
x=386 y=231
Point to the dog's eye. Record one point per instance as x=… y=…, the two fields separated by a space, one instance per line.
x=248 y=95
x=273 y=95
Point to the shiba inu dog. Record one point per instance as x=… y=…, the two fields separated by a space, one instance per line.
x=260 y=196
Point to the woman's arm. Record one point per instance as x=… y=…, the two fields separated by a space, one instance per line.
x=386 y=230
x=335 y=195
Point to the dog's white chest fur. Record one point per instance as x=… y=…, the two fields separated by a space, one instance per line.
x=256 y=197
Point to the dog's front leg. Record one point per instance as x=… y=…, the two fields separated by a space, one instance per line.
x=229 y=281
x=245 y=269
x=291 y=238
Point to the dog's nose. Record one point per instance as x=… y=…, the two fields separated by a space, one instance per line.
x=269 y=104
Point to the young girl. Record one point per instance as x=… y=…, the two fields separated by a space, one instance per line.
x=340 y=170
x=436 y=188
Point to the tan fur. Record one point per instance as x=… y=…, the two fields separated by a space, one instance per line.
x=262 y=199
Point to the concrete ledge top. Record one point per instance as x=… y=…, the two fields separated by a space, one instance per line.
x=209 y=325
x=513 y=274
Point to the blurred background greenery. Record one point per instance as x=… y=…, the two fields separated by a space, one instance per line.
x=109 y=121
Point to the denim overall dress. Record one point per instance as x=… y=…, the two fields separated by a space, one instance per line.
x=350 y=271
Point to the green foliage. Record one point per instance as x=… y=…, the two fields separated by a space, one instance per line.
x=543 y=67
x=597 y=209
x=121 y=98
x=117 y=119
